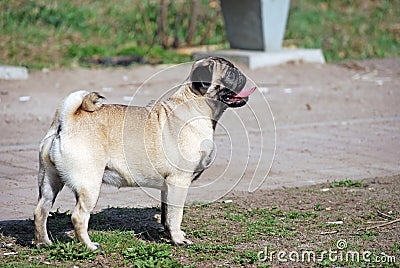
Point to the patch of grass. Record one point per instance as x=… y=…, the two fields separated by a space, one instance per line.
x=367 y=235
x=296 y=215
x=209 y=251
x=200 y=204
x=396 y=247
x=245 y=258
x=150 y=255
x=120 y=247
x=41 y=33
x=353 y=29
x=203 y=232
x=346 y=183
x=318 y=207
x=70 y=251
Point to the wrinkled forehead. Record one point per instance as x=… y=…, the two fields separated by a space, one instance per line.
x=227 y=74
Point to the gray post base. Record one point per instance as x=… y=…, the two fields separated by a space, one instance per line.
x=256 y=59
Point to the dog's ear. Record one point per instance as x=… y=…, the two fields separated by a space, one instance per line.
x=201 y=76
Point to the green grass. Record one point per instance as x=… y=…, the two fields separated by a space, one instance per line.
x=61 y=33
x=70 y=251
x=131 y=251
x=39 y=33
x=150 y=255
x=346 y=183
x=347 y=29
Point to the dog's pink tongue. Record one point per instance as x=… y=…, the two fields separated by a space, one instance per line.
x=245 y=92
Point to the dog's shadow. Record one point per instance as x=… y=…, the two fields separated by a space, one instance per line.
x=142 y=221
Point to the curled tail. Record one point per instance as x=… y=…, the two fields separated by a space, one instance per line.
x=79 y=100
x=92 y=102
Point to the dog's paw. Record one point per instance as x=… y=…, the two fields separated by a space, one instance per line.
x=93 y=246
x=179 y=238
x=184 y=242
x=43 y=244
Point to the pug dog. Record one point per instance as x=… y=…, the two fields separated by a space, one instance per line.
x=164 y=146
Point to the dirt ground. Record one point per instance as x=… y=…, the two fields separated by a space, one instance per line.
x=357 y=214
x=357 y=217
x=328 y=122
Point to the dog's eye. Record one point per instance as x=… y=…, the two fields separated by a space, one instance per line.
x=231 y=76
x=206 y=84
x=229 y=79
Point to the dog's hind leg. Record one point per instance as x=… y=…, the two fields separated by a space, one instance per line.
x=87 y=194
x=164 y=207
x=50 y=185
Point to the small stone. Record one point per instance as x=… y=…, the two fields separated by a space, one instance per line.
x=334 y=222
x=24 y=98
x=288 y=90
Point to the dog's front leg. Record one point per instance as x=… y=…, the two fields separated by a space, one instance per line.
x=173 y=201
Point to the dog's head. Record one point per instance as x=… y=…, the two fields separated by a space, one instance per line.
x=219 y=81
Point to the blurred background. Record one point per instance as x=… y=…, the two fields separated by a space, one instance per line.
x=67 y=33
